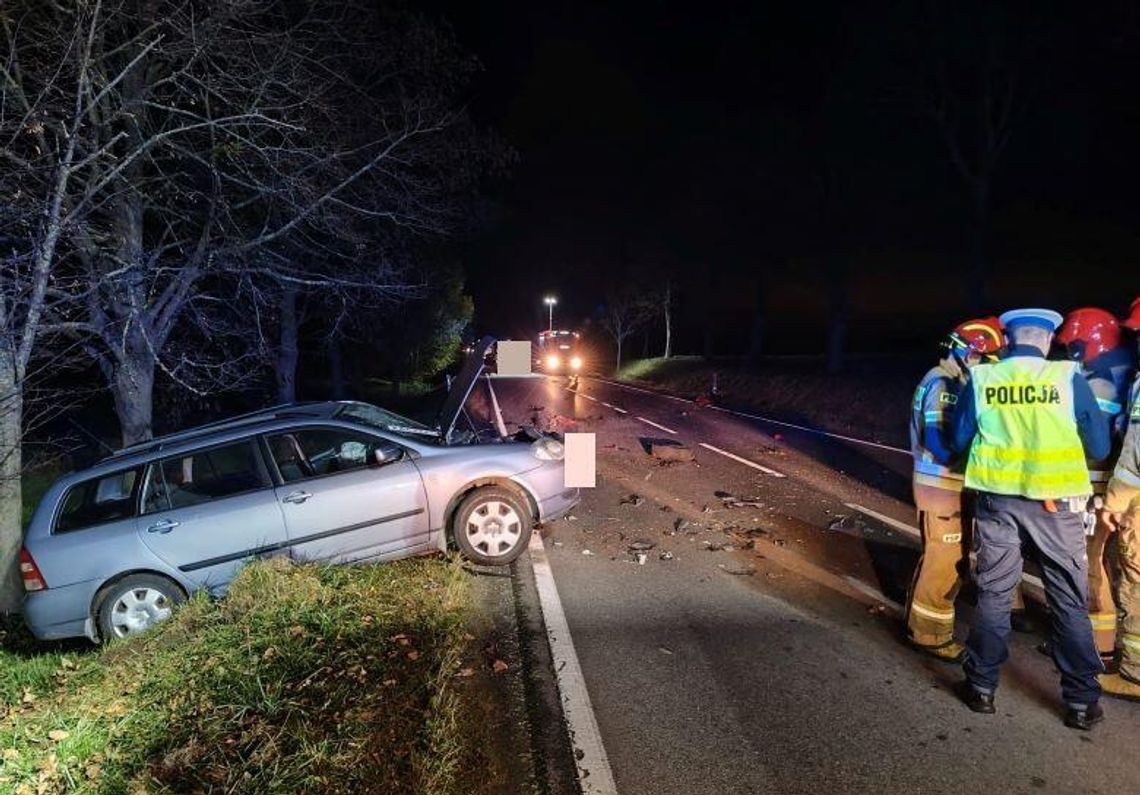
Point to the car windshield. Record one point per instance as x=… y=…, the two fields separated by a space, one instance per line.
x=384 y=420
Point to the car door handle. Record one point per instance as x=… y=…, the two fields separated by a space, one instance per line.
x=296 y=497
x=163 y=526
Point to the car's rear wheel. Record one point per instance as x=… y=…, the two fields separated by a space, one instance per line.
x=492 y=526
x=136 y=603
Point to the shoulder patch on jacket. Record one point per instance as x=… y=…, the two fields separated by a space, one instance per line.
x=948 y=397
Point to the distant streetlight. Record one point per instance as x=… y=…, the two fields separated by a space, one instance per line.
x=550 y=301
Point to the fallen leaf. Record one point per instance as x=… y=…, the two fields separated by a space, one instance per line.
x=413 y=655
x=58 y=734
x=499 y=666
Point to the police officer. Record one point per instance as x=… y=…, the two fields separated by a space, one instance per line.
x=1029 y=424
x=1122 y=513
x=938 y=494
x=1092 y=337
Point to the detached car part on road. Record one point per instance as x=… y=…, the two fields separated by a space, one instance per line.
x=112 y=549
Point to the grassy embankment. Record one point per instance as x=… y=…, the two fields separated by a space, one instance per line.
x=870 y=400
x=303 y=679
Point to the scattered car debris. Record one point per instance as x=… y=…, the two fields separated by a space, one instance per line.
x=587 y=552
x=733 y=501
x=667 y=555
x=739 y=571
x=669 y=450
x=847 y=523
x=570 y=517
x=631 y=499
x=641 y=545
x=664 y=650
x=719 y=546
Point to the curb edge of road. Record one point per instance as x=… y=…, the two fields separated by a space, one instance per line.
x=591 y=763
x=551 y=747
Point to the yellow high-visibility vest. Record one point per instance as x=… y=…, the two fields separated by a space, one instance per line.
x=1027 y=442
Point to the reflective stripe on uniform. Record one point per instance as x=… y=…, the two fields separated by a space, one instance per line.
x=941 y=616
x=932 y=417
x=1128 y=478
x=948 y=482
x=1131 y=642
x=1109 y=406
x=1103 y=620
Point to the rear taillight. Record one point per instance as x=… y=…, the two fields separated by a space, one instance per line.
x=30 y=573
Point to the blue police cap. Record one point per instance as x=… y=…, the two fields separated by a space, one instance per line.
x=1042 y=318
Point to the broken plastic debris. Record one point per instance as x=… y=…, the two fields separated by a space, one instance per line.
x=587 y=552
x=641 y=558
x=847 y=523
x=632 y=499
x=667 y=555
x=641 y=545
x=744 y=571
x=669 y=450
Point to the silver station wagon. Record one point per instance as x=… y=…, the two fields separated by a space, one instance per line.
x=112 y=549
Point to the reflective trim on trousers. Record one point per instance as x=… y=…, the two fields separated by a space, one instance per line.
x=941 y=616
x=1103 y=620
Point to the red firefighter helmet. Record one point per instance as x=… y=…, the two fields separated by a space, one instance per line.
x=983 y=336
x=1132 y=322
x=1089 y=332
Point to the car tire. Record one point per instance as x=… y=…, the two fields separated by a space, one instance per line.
x=134 y=604
x=492 y=526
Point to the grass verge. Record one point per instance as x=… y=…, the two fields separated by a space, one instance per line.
x=303 y=679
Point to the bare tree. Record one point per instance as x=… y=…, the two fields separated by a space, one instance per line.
x=210 y=137
x=625 y=311
x=973 y=74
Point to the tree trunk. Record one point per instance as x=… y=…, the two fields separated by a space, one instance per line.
x=132 y=386
x=11 y=466
x=668 y=330
x=336 y=368
x=838 y=316
x=759 y=323
x=285 y=367
x=617 y=367
x=978 y=279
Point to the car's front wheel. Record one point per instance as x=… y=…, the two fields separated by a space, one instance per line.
x=136 y=603
x=492 y=526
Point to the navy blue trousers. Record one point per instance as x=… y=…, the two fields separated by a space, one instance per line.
x=1006 y=528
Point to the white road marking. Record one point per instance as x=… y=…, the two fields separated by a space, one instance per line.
x=617 y=408
x=646 y=391
x=902 y=527
x=1031 y=579
x=768 y=420
x=744 y=461
x=656 y=425
x=583 y=394
x=815 y=431
x=594 y=774
x=862 y=587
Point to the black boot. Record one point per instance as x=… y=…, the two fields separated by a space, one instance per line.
x=1084 y=718
x=974 y=698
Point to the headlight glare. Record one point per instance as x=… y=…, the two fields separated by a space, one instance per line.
x=547 y=449
x=576 y=362
x=553 y=361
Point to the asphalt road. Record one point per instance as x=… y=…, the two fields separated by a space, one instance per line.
x=779 y=667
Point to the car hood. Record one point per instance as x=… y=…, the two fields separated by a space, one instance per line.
x=461 y=386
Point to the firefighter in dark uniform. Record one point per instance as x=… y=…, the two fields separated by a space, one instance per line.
x=1029 y=424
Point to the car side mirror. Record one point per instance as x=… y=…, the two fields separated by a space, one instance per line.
x=386 y=453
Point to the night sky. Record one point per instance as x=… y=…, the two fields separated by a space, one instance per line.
x=754 y=151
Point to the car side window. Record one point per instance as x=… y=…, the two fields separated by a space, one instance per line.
x=104 y=499
x=312 y=452
x=203 y=475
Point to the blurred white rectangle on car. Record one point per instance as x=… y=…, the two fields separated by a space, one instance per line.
x=581 y=467
x=513 y=357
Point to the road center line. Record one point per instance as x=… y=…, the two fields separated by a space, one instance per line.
x=744 y=461
x=583 y=394
x=594 y=774
x=656 y=425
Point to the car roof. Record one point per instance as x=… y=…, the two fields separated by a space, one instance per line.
x=222 y=430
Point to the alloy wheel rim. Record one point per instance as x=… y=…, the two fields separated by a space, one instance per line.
x=493 y=528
